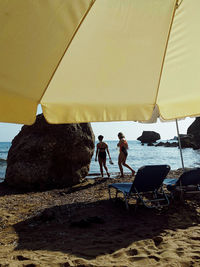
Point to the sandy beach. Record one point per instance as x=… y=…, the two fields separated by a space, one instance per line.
x=79 y=226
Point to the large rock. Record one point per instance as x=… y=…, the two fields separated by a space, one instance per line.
x=194 y=130
x=149 y=137
x=46 y=156
x=186 y=141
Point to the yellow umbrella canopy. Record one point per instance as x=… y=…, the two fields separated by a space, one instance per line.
x=99 y=60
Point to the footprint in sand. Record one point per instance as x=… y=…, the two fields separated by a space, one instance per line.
x=118 y=254
x=139 y=258
x=66 y=264
x=132 y=252
x=180 y=249
x=154 y=257
x=80 y=262
x=195 y=237
x=180 y=252
x=135 y=256
x=21 y=258
x=196 y=257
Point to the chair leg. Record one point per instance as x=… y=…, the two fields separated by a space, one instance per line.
x=109 y=193
x=165 y=196
x=116 y=194
x=126 y=201
x=140 y=198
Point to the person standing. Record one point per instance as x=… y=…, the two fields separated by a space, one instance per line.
x=123 y=147
x=101 y=150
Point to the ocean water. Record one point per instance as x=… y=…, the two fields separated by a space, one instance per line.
x=138 y=156
x=4 y=147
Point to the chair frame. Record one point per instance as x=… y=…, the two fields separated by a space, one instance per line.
x=149 y=203
x=184 y=188
x=158 y=196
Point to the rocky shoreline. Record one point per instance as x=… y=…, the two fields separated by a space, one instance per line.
x=189 y=140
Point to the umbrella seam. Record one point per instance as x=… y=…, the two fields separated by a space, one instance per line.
x=165 y=51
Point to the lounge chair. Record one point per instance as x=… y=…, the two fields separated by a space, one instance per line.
x=146 y=187
x=188 y=182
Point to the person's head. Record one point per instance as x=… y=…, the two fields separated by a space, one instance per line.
x=120 y=135
x=100 y=137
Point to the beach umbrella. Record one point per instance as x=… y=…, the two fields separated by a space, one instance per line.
x=99 y=60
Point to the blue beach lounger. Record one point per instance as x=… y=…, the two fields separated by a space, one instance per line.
x=146 y=187
x=188 y=182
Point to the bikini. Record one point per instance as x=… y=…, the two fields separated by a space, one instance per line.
x=102 y=153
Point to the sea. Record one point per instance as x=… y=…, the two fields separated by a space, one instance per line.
x=138 y=156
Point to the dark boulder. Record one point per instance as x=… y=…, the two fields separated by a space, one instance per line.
x=160 y=144
x=174 y=144
x=194 y=128
x=186 y=141
x=149 y=137
x=170 y=144
x=194 y=131
x=150 y=144
x=44 y=155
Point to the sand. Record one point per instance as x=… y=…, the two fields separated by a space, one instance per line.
x=81 y=227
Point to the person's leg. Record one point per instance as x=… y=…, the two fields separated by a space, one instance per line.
x=105 y=167
x=101 y=166
x=120 y=159
x=126 y=165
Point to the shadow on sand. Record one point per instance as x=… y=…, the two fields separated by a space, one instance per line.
x=88 y=230
x=6 y=190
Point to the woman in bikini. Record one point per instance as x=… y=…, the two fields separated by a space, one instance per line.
x=102 y=148
x=123 y=146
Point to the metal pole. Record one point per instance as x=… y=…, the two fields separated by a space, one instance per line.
x=180 y=149
x=179 y=143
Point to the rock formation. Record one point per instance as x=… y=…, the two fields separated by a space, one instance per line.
x=194 y=130
x=149 y=137
x=186 y=141
x=44 y=155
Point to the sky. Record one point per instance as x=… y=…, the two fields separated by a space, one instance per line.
x=131 y=130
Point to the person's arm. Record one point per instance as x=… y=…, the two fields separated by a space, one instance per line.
x=96 y=153
x=126 y=143
x=119 y=143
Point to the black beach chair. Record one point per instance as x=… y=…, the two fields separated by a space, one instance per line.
x=146 y=187
x=187 y=183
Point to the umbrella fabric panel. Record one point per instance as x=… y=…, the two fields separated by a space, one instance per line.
x=179 y=92
x=34 y=36
x=111 y=69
